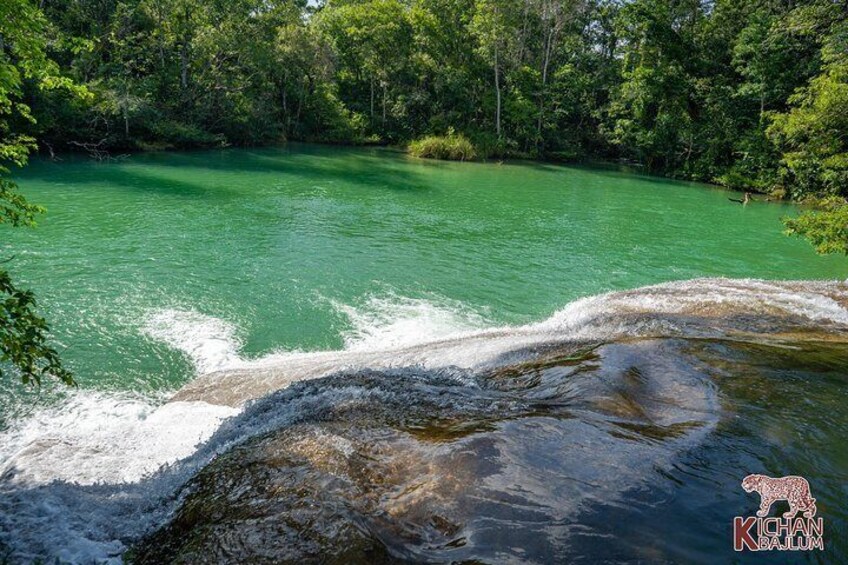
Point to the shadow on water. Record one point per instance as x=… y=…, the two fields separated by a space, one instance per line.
x=378 y=168
x=622 y=451
x=220 y=168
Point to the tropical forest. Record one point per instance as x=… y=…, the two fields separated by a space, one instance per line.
x=423 y=281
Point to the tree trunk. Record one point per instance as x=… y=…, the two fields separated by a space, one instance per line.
x=522 y=38
x=184 y=46
x=372 y=99
x=549 y=42
x=497 y=96
x=300 y=101
x=385 y=88
x=285 y=105
x=184 y=65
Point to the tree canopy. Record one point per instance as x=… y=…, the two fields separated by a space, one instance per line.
x=688 y=88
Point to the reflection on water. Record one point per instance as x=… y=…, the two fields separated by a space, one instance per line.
x=629 y=450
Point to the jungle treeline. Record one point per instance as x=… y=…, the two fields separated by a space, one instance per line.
x=751 y=94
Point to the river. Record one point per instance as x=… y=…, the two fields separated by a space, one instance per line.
x=422 y=350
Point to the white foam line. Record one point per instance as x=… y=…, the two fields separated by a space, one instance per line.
x=210 y=343
x=393 y=321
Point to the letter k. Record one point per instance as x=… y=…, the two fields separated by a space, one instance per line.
x=741 y=534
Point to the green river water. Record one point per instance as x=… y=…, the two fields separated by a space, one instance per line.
x=156 y=268
x=274 y=240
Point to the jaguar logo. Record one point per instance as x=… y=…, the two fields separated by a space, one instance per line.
x=794 y=490
x=790 y=531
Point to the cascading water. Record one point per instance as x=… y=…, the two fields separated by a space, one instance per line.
x=450 y=440
x=286 y=352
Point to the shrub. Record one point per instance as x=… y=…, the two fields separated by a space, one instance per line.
x=736 y=180
x=825 y=225
x=453 y=146
x=184 y=135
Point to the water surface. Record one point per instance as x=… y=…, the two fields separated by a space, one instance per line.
x=373 y=356
x=282 y=243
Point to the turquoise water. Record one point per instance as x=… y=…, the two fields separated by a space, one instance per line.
x=391 y=354
x=278 y=242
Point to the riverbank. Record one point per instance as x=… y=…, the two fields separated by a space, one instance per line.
x=479 y=155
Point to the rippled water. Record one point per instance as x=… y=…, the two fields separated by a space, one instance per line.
x=378 y=358
x=633 y=451
x=314 y=247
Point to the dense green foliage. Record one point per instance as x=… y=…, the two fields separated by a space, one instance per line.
x=686 y=87
x=746 y=93
x=453 y=146
x=23 y=333
x=826 y=225
x=23 y=340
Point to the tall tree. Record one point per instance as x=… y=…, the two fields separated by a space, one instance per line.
x=373 y=41
x=654 y=107
x=494 y=25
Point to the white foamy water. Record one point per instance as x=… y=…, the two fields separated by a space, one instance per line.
x=211 y=344
x=71 y=475
x=448 y=338
x=78 y=481
x=396 y=321
x=817 y=301
x=380 y=323
x=393 y=331
x=96 y=438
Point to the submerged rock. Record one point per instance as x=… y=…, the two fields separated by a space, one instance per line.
x=532 y=462
x=618 y=429
x=445 y=465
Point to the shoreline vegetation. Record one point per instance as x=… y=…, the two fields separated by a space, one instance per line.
x=750 y=95
x=450 y=147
